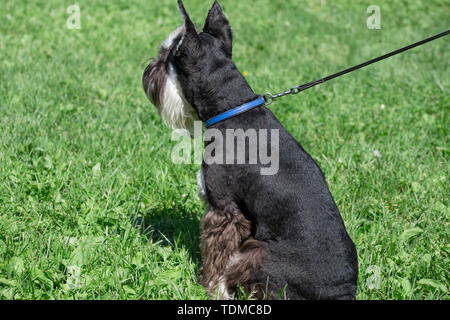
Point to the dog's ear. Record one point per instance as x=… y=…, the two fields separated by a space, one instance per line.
x=217 y=25
x=190 y=42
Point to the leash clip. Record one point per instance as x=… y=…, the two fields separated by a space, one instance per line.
x=268 y=98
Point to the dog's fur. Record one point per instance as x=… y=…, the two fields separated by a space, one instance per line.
x=266 y=233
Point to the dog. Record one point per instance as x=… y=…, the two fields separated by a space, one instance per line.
x=273 y=236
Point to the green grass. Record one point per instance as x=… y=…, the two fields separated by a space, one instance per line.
x=91 y=205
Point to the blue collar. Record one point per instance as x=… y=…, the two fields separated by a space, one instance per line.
x=235 y=111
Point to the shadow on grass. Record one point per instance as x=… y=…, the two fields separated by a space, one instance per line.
x=172 y=229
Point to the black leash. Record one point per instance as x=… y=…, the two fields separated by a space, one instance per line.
x=267 y=97
x=294 y=90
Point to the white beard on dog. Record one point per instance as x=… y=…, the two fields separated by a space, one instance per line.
x=176 y=111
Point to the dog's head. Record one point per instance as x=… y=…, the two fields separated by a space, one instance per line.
x=193 y=74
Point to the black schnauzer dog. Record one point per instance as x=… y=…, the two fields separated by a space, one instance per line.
x=274 y=235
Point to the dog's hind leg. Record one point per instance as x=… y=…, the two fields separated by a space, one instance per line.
x=243 y=266
x=222 y=233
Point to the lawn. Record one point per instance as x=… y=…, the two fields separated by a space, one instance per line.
x=91 y=205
